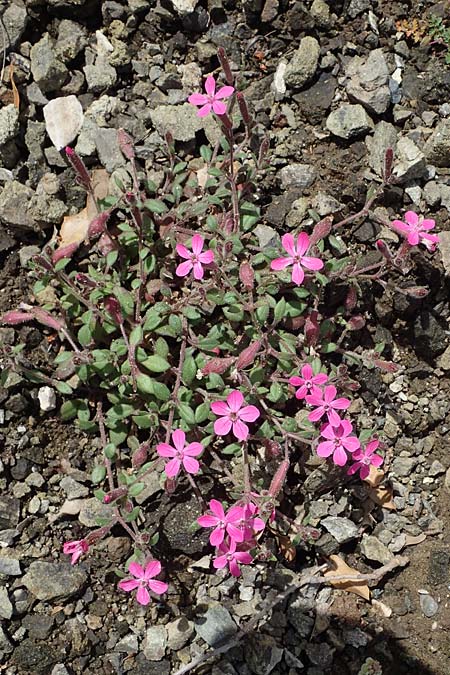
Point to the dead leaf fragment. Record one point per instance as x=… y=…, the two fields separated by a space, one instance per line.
x=383 y=496
x=16 y=97
x=340 y=568
x=375 y=476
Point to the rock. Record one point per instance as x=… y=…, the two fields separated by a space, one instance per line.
x=436 y=468
x=314 y=102
x=181 y=120
x=128 y=644
x=9 y=512
x=368 y=80
x=47 y=399
x=439 y=568
x=320 y=12
x=349 y=122
x=444 y=360
x=402 y=466
x=297 y=175
x=5 y=645
x=432 y=193
x=38 y=625
x=428 y=605
x=93 y=511
x=72 y=39
x=48 y=71
x=267 y=237
x=9 y=567
x=179 y=633
x=154 y=645
x=437 y=148
x=279 y=84
x=430 y=338
x=14 y=21
x=444 y=248
x=183 y=7
x=303 y=64
x=9 y=123
x=6 y=608
x=108 y=149
x=73 y=489
x=47 y=580
x=384 y=137
x=373 y=549
x=409 y=161
x=216 y=625
x=342 y=529
x=445 y=196
x=63 y=120
x=358 y=7
x=36 y=657
x=262 y=654
x=321 y=655
x=100 y=76
x=325 y=204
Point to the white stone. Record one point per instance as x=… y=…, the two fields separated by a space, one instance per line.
x=63 y=120
x=47 y=399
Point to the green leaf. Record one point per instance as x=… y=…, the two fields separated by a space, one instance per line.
x=202 y=413
x=136 y=336
x=143 y=421
x=110 y=451
x=189 y=370
x=206 y=153
x=161 y=347
x=262 y=313
x=98 y=474
x=69 y=409
x=136 y=489
x=161 y=391
x=186 y=413
x=276 y=392
x=280 y=310
x=152 y=320
x=145 y=384
x=328 y=348
x=156 y=364
x=84 y=336
x=155 y=206
x=63 y=387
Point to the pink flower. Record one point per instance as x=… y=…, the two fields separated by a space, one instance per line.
x=326 y=402
x=234 y=415
x=308 y=382
x=181 y=453
x=364 y=459
x=231 y=557
x=416 y=230
x=194 y=260
x=296 y=257
x=75 y=549
x=223 y=522
x=211 y=99
x=339 y=441
x=144 y=581
x=251 y=524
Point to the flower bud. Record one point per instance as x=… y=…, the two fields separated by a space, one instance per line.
x=312 y=328
x=351 y=299
x=416 y=291
x=272 y=449
x=384 y=249
x=114 y=495
x=243 y=108
x=43 y=262
x=217 y=365
x=84 y=280
x=246 y=275
x=321 y=230
x=226 y=121
x=248 y=355
x=106 y=244
x=356 y=322
x=46 y=318
x=126 y=144
x=15 y=317
x=140 y=455
x=279 y=478
x=96 y=535
x=224 y=62
x=170 y=485
x=263 y=150
x=97 y=225
x=64 y=251
x=112 y=306
x=79 y=168
x=388 y=161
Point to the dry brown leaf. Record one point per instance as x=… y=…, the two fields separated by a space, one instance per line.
x=413 y=541
x=74 y=228
x=383 y=496
x=340 y=568
x=287 y=549
x=375 y=476
x=16 y=97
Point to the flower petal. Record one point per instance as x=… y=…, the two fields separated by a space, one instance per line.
x=243 y=557
x=183 y=252
x=173 y=467
x=143 y=596
x=152 y=569
x=198 y=99
x=220 y=562
x=340 y=403
x=351 y=443
x=235 y=533
x=312 y=263
x=413 y=238
x=235 y=400
x=165 y=450
x=298 y=274
x=240 y=430
x=179 y=439
x=205 y=110
x=302 y=243
x=377 y=461
x=219 y=107
x=207 y=521
x=210 y=85
x=207 y=257
x=325 y=448
x=316 y=414
x=158 y=587
x=340 y=456
x=224 y=92
x=288 y=243
x=191 y=465
x=193 y=449
x=222 y=426
x=216 y=536
x=184 y=268
x=280 y=263
x=136 y=570
x=411 y=218
x=217 y=508
x=220 y=408
x=198 y=271
x=234 y=568
x=354 y=468
x=197 y=244
x=249 y=413
x=128 y=584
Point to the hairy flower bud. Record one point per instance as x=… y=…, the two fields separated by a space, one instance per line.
x=263 y=150
x=43 y=262
x=356 y=322
x=46 y=318
x=140 y=455
x=312 y=328
x=84 y=280
x=114 y=495
x=248 y=355
x=388 y=161
x=226 y=121
x=112 y=306
x=321 y=230
x=246 y=275
x=384 y=249
x=416 y=291
x=242 y=103
x=279 y=478
x=96 y=535
x=126 y=144
x=97 y=225
x=272 y=449
x=217 y=365
x=15 y=317
x=224 y=62
x=64 y=251
x=79 y=167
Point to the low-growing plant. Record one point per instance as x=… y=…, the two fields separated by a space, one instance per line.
x=183 y=339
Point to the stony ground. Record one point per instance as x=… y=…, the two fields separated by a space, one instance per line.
x=334 y=84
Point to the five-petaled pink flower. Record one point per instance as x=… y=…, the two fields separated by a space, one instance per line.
x=297 y=257
x=326 y=402
x=181 y=453
x=308 y=382
x=195 y=259
x=251 y=524
x=365 y=459
x=416 y=229
x=222 y=522
x=229 y=556
x=212 y=99
x=75 y=549
x=233 y=415
x=144 y=581
x=338 y=442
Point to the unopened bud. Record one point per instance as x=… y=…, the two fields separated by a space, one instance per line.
x=272 y=449
x=321 y=230
x=97 y=225
x=279 y=478
x=43 y=262
x=126 y=144
x=84 y=280
x=106 y=244
x=226 y=121
x=246 y=275
x=312 y=328
x=218 y=365
x=15 y=317
x=388 y=161
x=95 y=536
x=46 y=318
x=351 y=299
x=248 y=355
x=224 y=62
x=64 y=251
x=170 y=485
x=140 y=455
x=263 y=150
x=356 y=322
x=112 y=306
x=384 y=249
x=114 y=495
x=416 y=291
x=79 y=167
x=242 y=103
